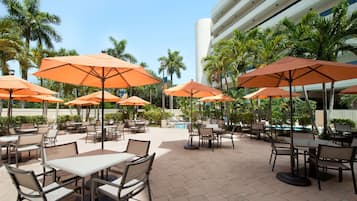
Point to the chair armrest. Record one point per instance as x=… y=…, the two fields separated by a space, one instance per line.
x=60 y=185
x=101 y=181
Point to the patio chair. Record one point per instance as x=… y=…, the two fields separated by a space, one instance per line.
x=257 y=129
x=278 y=149
x=335 y=158
x=303 y=150
x=138 y=147
x=207 y=135
x=50 y=137
x=191 y=133
x=342 y=133
x=134 y=180
x=29 y=188
x=229 y=135
x=57 y=152
x=26 y=143
x=119 y=132
x=93 y=132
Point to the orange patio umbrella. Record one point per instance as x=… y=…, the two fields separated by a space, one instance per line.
x=39 y=98
x=192 y=89
x=349 y=90
x=293 y=71
x=99 y=70
x=134 y=100
x=77 y=102
x=217 y=98
x=12 y=86
x=97 y=97
x=269 y=92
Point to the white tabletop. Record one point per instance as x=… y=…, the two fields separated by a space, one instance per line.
x=86 y=165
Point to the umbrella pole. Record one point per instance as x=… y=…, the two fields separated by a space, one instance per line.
x=290 y=177
x=9 y=108
x=103 y=131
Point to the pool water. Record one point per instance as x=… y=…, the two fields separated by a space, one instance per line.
x=180 y=125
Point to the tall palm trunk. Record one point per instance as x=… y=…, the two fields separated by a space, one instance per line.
x=171 y=97
x=312 y=116
x=332 y=100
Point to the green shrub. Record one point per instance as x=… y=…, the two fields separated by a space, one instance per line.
x=155 y=115
x=344 y=121
x=117 y=117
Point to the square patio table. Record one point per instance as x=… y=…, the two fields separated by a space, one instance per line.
x=87 y=165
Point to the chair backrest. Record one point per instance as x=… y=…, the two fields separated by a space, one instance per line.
x=43 y=130
x=91 y=128
x=12 y=131
x=52 y=133
x=342 y=127
x=189 y=128
x=258 y=126
x=135 y=173
x=24 y=180
x=27 y=125
x=60 y=151
x=138 y=147
x=335 y=153
x=303 y=136
x=205 y=131
x=29 y=140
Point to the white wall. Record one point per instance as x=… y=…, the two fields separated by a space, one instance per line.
x=203 y=38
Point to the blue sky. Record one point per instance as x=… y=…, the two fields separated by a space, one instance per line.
x=150 y=27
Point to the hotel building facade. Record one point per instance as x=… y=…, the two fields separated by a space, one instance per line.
x=229 y=15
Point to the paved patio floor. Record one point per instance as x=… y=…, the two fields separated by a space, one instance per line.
x=240 y=174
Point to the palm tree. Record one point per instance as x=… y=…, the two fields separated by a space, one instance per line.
x=118 y=50
x=34 y=25
x=10 y=44
x=324 y=38
x=173 y=64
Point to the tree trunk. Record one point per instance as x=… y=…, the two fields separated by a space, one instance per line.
x=312 y=116
x=332 y=100
x=324 y=102
x=171 y=97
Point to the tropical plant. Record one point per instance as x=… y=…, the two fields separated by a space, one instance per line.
x=34 y=25
x=173 y=64
x=10 y=44
x=118 y=50
x=323 y=38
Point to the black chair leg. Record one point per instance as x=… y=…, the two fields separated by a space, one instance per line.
x=149 y=191
x=339 y=174
x=353 y=177
x=273 y=163
x=318 y=176
x=271 y=155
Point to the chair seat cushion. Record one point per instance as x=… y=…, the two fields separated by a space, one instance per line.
x=27 y=148
x=112 y=191
x=53 y=195
x=330 y=164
